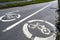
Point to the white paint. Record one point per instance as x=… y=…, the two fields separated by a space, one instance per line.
x=29 y=35
x=26 y=32
x=32 y=27
x=44 y=29
x=38 y=38
x=14 y=25
x=53 y=37
x=19 y=16
x=7 y=20
x=1 y=18
x=35 y=20
x=9 y=13
x=43 y=21
x=51 y=25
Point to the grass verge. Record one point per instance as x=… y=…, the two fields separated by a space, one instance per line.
x=23 y=3
x=58 y=36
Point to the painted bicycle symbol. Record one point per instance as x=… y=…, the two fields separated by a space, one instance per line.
x=47 y=32
x=9 y=17
x=43 y=29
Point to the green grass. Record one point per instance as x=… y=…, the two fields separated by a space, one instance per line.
x=7 y=0
x=24 y=3
x=58 y=36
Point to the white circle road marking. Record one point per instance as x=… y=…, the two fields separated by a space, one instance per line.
x=9 y=12
x=1 y=18
x=14 y=25
x=29 y=35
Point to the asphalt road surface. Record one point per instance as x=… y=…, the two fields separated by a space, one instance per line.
x=13 y=30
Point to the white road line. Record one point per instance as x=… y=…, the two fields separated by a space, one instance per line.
x=14 y=25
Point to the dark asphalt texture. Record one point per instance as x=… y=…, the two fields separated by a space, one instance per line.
x=49 y=14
